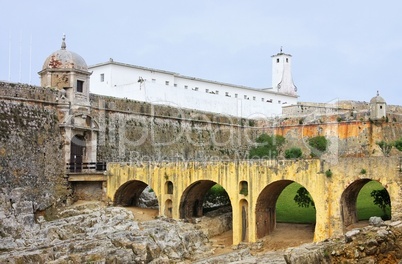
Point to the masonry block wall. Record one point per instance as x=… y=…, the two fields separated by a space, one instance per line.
x=31 y=145
x=133 y=131
x=31 y=166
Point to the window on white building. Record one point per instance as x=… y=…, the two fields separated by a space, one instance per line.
x=185 y=86
x=279 y=101
x=226 y=93
x=277 y=60
x=236 y=95
x=167 y=82
x=207 y=90
x=102 y=77
x=254 y=98
x=175 y=85
x=195 y=88
x=217 y=92
x=153 y=80
x=287 y=60
x=262 y=99
x=245 y=96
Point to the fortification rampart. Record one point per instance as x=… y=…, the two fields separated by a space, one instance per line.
x=30 y=151
x=32 y=145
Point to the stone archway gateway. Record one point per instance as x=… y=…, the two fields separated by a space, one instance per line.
x=266 y=207
x=129 y=193
x=192 y=200
x=348 y=202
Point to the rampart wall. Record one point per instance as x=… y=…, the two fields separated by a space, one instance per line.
x=31 y=164
x=31 y=158
x=131 y=130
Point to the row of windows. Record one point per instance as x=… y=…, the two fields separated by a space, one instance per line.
x=245 y=97
x=254 y=98
x=277 y=60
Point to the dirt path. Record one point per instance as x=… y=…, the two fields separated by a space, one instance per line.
x=285 y=236
x=143 y=214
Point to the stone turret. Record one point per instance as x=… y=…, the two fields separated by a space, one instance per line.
x=67 y=71
x=378 y=108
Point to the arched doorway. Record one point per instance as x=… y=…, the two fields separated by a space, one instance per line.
x=192 y=200
x=210 y=204
x=279 y=196
x=135 y=194
x=198 y=199
x=357 y=204
x=77 y=149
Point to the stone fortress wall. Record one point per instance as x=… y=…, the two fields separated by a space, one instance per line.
x=31 y=165
x=31 y=145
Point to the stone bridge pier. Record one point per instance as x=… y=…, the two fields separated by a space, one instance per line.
x=254 y=187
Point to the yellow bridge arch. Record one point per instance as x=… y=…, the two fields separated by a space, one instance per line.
x=179 y=186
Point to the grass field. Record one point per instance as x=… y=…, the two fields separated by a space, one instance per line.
x=288 y=211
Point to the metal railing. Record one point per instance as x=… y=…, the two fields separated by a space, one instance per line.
x=86 y=166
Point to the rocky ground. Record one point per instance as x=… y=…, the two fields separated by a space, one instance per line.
x=93 y=233
x=380 y=242
x=90 y=232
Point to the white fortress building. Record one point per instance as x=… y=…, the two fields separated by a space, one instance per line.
x=170 y=88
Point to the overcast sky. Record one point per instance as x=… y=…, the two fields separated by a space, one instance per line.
x=341 y=49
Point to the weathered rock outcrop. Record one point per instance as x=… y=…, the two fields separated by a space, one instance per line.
x=372 y=244
x=103 y=235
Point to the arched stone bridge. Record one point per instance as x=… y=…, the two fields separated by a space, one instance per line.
x=180 y=188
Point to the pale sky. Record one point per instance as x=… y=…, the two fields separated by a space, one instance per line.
x=342 y=50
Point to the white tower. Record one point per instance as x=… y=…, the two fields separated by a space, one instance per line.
x=282 y=81
x=378 y=108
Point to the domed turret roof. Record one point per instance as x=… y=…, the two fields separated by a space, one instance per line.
x=377 y=99
x=65 y=59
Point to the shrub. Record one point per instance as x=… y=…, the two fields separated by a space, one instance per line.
x=318 y=145
x=268 y=146
x=293 y=153
x=385 y=147
x=363 y=171
x=328 y=173
x=398 y=144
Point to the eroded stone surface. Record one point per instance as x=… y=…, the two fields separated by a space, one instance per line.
x=370 y=244
x=94 y=233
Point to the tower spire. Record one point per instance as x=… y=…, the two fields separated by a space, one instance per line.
x=63 y=43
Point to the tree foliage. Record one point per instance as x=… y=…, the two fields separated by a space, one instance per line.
x=303 y=198
x=293 y=153
x=267 y=146
x=382 y=200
